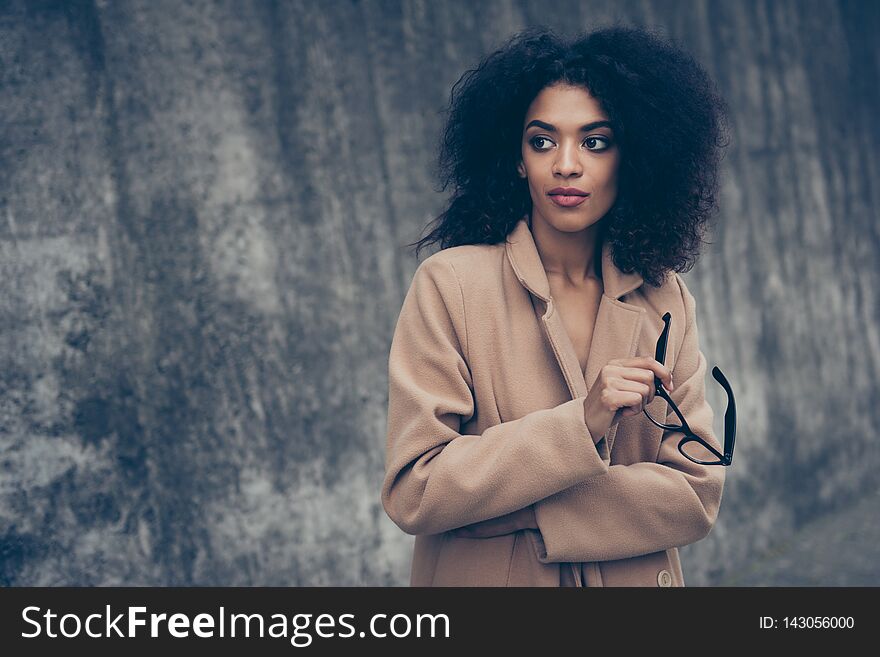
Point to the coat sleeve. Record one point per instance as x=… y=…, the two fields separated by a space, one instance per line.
x=644 y=507
x=437 y=479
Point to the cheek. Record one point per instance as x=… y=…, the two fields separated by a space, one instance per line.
x=607 y=176
x=534 y=173
x=530 y=165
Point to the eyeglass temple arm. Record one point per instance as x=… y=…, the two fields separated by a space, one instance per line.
x=729 y=414
x=660 y=352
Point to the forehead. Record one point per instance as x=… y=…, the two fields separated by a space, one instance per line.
x=565 y=106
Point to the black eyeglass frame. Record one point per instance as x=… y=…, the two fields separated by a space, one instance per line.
x=689 y=436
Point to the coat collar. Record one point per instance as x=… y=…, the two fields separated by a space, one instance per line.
x=616 y=330
x=526 y=262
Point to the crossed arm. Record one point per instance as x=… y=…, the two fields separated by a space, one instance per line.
x=582 y=507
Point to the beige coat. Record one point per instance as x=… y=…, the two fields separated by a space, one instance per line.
x=486 y=416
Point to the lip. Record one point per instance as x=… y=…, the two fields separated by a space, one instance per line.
x=568 y=201
x=568 y=197
x=567 y=191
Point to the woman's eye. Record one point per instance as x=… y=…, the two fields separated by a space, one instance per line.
x=596 y=143
x=536 y=144
x=592 y=141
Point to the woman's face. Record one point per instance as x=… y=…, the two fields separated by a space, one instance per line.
x=565 y=144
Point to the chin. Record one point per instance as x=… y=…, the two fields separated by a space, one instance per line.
x=569 y=222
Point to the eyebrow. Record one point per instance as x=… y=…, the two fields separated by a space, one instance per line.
x=584 y=128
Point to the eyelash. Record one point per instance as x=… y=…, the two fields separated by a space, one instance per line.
x=600 y=137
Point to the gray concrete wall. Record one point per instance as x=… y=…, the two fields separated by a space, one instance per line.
x=194 y=325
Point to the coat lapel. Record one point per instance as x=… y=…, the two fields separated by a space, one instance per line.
x=617 y=323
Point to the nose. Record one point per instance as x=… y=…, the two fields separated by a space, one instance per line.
x=567 y=162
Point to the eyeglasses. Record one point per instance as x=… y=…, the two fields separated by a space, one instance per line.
x=692 y=446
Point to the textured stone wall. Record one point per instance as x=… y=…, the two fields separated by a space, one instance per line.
x=202 y=213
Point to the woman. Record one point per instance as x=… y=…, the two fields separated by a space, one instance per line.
x=584 y=174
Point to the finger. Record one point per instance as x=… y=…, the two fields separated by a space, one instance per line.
x=624 y=412
x=622 y=399
x=659 y=369
x=639 y=374
x=643 y=387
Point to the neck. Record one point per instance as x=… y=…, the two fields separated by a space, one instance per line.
x=568 y=257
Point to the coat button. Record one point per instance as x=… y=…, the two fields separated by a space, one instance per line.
x=664 y=578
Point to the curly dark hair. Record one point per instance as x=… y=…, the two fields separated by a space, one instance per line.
x=668 y=119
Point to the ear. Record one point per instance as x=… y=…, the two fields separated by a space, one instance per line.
x=521 y=169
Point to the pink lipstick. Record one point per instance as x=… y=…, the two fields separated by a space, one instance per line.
x=568 y=197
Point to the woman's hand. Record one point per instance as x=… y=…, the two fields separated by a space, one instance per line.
x=623 y=388
x=506 y=524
